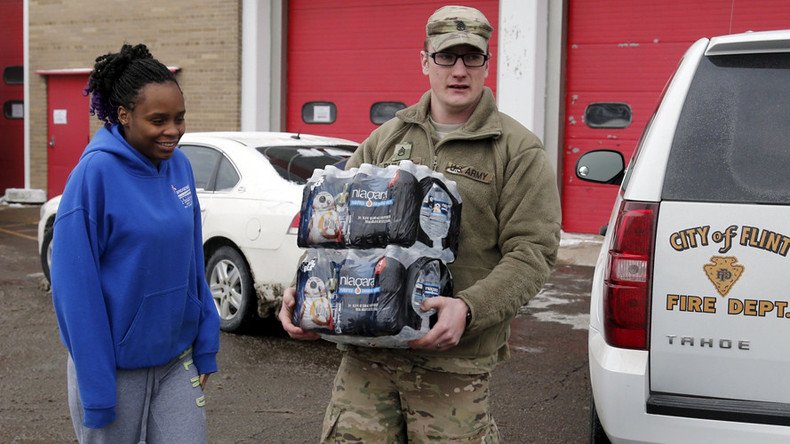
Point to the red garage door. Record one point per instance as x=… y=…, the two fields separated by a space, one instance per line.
x=352 y=62
x=620 y=56
x=12 y=159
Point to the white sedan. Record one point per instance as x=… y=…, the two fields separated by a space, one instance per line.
x=250 y=189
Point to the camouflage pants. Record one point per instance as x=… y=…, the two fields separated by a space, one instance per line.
x=397 y=403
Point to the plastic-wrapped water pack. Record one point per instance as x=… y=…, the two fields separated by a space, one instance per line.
x=369 y=297
x=372 y=207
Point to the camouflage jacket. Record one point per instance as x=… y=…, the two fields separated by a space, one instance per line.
x=510 y=220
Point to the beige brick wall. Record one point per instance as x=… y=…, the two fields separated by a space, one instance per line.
x=202 y=37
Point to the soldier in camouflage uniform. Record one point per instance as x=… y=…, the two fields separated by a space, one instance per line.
x=438 y=388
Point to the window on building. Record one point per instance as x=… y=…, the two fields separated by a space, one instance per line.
x=380 y=112
x=14 y=109
x=319 y=112
x=607 y=115
x=13 y=75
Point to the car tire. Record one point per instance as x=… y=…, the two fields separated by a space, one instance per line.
x=597 y=434
x=232 y=289
x=46 y=251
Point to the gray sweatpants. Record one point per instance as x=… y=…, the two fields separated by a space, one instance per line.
x=156 y=405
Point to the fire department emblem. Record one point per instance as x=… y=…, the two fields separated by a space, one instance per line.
x=723 y=271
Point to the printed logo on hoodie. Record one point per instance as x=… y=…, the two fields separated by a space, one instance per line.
x=184 y=194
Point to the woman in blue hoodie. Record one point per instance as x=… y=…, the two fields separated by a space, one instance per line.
x=128 y=283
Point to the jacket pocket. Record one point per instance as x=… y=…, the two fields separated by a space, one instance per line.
x=160 y=321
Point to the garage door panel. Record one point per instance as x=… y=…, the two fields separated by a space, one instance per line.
x=367 y=25
x=625 y=51
x=355 y=53
x=588 y=215
x=12 y=136
x=608 y=67
x=664 y=21
x=366 y=78
x=384 y=70
x=760 y=15
x=353 y=111
x=642 y=105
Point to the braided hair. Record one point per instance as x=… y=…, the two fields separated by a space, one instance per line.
x=117 y=78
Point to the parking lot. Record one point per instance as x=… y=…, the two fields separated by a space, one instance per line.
x=272 y=389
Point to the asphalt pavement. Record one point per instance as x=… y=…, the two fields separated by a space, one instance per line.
x=273 y=389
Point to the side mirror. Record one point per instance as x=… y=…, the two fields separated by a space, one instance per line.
x=601 y=166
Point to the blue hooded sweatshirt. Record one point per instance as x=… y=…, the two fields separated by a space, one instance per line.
x=128 y=282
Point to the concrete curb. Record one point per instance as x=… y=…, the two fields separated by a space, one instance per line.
x=579 y=249
x=24 y=196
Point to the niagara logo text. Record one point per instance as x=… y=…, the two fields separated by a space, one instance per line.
x=357 y=281
x=368 y=194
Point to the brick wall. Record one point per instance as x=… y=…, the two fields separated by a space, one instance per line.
x=202 y=37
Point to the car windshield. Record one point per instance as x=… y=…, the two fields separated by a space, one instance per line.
x=297 y=163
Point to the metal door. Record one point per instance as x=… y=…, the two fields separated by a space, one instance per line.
x=68 y=129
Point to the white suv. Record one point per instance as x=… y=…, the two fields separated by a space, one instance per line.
x=690 y=312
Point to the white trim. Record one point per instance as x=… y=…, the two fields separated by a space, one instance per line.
x=521 y=64
x=62 y=72
x=262 y=32
x=277 y=68
x=254 y=60
x=80 y=71
x=555 y=86
x=529 y=68
x=26 y=87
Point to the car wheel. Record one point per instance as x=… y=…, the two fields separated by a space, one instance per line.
x=46 y=251
x=232 y=288
x=597 y=434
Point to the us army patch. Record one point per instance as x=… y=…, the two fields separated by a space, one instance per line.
x=470 y=172
x=402 y=151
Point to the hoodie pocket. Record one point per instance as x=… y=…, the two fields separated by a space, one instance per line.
x=160 y=321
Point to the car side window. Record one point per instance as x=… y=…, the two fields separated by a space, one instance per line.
x=204 y=163
x=227 y=177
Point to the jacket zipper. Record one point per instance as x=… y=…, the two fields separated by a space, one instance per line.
x=433 y=149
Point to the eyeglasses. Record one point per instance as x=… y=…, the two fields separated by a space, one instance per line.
x=471 y=60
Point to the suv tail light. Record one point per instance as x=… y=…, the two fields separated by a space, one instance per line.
x=627 y=295
x=294 y=227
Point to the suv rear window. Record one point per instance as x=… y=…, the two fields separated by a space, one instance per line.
x=296 y=163
x=732 y=142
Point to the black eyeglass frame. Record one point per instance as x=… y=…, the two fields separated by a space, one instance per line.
x=460 y=56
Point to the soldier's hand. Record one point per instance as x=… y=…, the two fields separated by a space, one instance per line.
x=449 y=327
x=286 y=317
